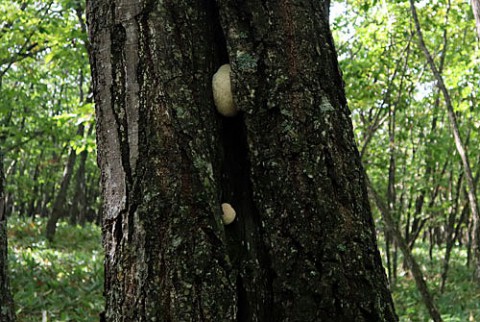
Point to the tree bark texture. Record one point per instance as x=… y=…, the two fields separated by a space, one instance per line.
x=302 y=247
x=7 y=312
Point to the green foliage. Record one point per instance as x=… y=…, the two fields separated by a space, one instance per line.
x=402 y=128
x=459 y=302
x=63 y=279
x=44 y=88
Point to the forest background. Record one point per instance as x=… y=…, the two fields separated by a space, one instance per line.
x=401 y=122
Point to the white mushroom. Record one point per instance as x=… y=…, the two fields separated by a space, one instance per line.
x=222 y=91
x=228 y=213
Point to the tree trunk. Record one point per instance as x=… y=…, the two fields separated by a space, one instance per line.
x=79 y=201
x=450 y=229
x=78 y=212
x=409 y=259
x=7 y=312
x=303 y=246
x=34 y=194
x=476 y=14
x=58 y=209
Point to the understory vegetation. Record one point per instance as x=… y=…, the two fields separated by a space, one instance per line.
x=63 y=280
x=60 y=280
x=460 y=300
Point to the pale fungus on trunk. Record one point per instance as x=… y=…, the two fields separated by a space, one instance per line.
x=229 y=213
x=222 y=91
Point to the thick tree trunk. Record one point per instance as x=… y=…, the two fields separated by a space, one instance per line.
x=302 y=247
x=7 y=312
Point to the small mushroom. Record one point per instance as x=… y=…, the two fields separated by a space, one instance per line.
x=228 y=213
x=222 y=91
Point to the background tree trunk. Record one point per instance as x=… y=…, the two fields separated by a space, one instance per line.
x=407 y=254
x=58 y=209
x=79 y=208
x=302 y=247
x=7 y=312
x=476 y=14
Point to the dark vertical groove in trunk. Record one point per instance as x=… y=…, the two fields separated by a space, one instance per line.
x=304 y=166
x=244 y=236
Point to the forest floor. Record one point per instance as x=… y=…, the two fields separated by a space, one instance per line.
x=460 y=301
x=63 y=280
x=59 y=281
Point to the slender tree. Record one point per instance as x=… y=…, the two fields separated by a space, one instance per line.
x=7 y=313
x=302 y=246
x=476 y=14
x=412 y=264
x=460 y=146
x=58 y=209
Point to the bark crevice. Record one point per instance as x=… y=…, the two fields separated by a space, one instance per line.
x=244 y=237
x=219 y=41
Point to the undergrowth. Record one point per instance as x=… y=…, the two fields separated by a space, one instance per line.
x=63 y=280
x=58 y=281
x=460 y=301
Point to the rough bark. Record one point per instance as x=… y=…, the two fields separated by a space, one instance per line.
x=7 y=312
x=303 y=246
